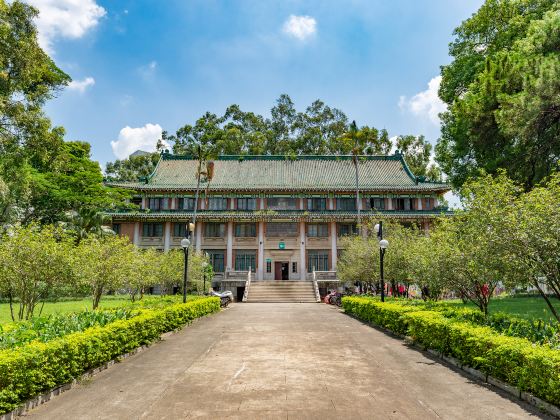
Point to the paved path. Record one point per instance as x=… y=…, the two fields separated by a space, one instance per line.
x=280 y=361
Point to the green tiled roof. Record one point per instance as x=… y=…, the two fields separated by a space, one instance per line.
x=283 y=173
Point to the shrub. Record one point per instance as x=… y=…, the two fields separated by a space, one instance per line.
x=528 y=366
x=36 y=367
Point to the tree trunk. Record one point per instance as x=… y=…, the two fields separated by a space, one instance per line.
x=547 y=300
x=11 y=307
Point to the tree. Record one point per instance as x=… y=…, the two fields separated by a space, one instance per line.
x=131 y=168
x=359 y=261
x=106 y=263
x=534 y=239
x=147 y=266
x=417 y=153
x=502 y=93
x=34 y=262
x=86 y=222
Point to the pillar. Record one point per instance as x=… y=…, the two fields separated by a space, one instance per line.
x=331 y=204
x=333 y=245
x=173 y=203
x=229 y=247
x=389 y=203
x=167 y=236
x=198 y=236
x=136 y=238
x=436 y=202
x=144 y=203
x=419 y=207
x=302 y=267
x=260 y=260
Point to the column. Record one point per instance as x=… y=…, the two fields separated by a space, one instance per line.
x=167 y=236
x=144 y=203
x=419 y=203
x=302 y=267
x=173 y=203
x=198 y=236
x=136 y=239
x=229 y=251
x=261 y=203
x=331 y=203
x=435 y=202
x=260 y=261
x=333 y=245
x=389 y=203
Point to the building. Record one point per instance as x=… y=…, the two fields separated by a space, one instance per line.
x=279 y=216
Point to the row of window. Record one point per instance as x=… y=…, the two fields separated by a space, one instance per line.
x=288 y=203
x=245 y=259
x=249 y=230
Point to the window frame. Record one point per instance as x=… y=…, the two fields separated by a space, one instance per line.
x=252 y=231
x=217 y=226
x=282 y=207
x=312 y=201
x=282 y=234
x=320 y=256
x=222 y=200
x=244 y=256
x=151 y=229
x=314 y=230
x=351 y=207
x=245 y=203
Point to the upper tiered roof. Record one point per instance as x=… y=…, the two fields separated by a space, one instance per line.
x=287 y=173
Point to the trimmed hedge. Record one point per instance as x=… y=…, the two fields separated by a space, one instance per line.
x=37 y=367
x=528 y=366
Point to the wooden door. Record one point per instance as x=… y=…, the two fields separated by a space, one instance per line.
x=277 y=271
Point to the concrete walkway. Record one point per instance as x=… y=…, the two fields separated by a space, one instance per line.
x=281 y=361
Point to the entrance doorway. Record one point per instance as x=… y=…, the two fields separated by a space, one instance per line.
x=281 y=270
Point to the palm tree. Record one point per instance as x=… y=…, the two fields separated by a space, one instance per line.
x=87 y=222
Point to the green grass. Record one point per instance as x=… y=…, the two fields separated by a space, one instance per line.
x=107 y=302
x=523 y=307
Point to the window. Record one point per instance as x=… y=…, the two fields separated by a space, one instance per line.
x=246 y=230
x=375 y=203
x=294 y=267
x=318 y=260
x=277 y=230
x=246 y=204
x=137 y=201
x=117 y=228
x=180 y=229
x=214 y=230
x=244 y=260
x=282 y=203
x=217 y=204
x=404 y=204
x=317 y=230
x=348 y=204
x=316 y=204
x=216 y=260
x=185 y=203
x=158 y=203
x=269 y=266
x=347 y=229
x=152 y=230
x=427 y=204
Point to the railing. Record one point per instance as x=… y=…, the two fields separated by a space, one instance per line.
x=325 y=276
x=316 y=287
x=247 y=285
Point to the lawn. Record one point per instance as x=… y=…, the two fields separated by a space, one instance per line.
x=78 y=305
x=523 y=307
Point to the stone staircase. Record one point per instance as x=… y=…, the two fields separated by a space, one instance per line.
x=281 y=291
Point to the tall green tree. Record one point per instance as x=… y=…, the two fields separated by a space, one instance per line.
x=502 y=93
x=131 y=168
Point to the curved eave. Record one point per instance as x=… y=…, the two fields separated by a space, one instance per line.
x=276 y=216
x=432 y=187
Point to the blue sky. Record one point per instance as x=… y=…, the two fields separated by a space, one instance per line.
x=145 y=65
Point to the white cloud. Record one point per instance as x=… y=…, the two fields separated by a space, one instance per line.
x=81 y=85
x=425 y=103
x=300 y=27
x=149 y=70
x=139 y=138
x=65 y=19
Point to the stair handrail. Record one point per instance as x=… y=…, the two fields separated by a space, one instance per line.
x=247 y=285
x=316 y=287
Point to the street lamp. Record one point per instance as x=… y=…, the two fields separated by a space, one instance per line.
x=185 y=244
x=383 y=244
x=204 y=265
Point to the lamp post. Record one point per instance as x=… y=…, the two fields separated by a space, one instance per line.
x=185 y=244
x=383 y=244
x=204 y=265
